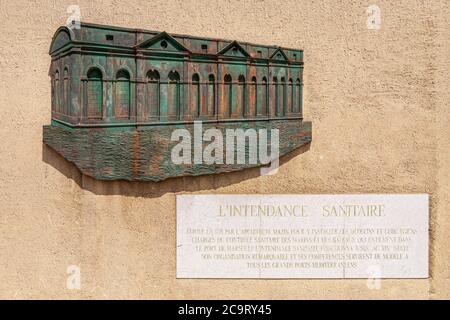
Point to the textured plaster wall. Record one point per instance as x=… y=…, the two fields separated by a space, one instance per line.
x=378 y=100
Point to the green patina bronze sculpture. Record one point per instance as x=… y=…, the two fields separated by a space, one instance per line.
x=118 y=94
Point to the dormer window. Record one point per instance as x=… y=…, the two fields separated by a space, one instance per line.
x=204 y=48
x=295 y=57
x=109 y=37
x=259 y=54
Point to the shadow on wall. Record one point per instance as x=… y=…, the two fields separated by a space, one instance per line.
x=154 y=189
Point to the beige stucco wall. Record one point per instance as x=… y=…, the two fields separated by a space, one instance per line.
x=378 y=100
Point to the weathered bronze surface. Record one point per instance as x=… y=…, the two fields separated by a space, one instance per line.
x=118 y=94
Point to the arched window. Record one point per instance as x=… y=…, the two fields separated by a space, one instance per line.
x=66 y=91
x=94 y=94
x=291 y=92
x=284 y=105
x=253 y=94
x=264 y=106
x=228 y=93
x=276 y=96
x=195 y=95
x=122 y=98
x=299 y=96
x=173 y=95
x=153 y=94
x=56 y=92
x=211 y=95
x=241 y=108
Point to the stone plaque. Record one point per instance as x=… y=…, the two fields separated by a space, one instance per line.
x=302 y=236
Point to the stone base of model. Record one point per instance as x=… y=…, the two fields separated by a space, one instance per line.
x=155 y=153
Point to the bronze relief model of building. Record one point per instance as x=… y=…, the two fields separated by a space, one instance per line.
x=118 y=94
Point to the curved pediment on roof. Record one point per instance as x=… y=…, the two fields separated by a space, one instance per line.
x=163 y=42
x=234 y=49
x=62 y=37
